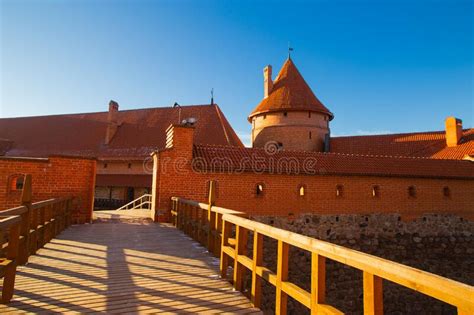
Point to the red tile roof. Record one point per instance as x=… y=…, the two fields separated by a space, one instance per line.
x=290 y=93
x=141 y=132
x=421 y=144
x=224 y=159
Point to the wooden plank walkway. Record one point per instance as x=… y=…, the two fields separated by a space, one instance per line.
x=124 y=267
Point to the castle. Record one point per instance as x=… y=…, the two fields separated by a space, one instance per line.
x=294 y=166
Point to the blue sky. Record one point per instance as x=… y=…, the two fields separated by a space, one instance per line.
x=380 y=66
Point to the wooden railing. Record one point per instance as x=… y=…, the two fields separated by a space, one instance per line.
x=27 y=228
x=142 y=202
x=225 y=232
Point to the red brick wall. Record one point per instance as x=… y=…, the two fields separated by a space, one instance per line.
x=52 y=178
x=280 y=196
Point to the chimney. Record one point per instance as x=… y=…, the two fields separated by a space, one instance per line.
x=267 y=81
x=453 y=131
x=112 y=121
x=181 y=139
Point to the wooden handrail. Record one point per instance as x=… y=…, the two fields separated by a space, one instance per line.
x=144 y=199
x=30 y=227
x=191 y=217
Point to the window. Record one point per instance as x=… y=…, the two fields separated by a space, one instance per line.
x=375 y=191
x=285 y=114
x=129 y=165
x=309 y=114
x=301 y=190
x=264 y=116
x=339 y=190
x=259 y=190
x=105 y=165
x=411 y=192
x=16 y=182
x=446 y=192
x=310 y=135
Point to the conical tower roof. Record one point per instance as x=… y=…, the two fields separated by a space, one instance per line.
x=290 y=93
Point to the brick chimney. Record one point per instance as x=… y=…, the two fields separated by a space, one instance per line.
x=453 y=131
x=112 y=121
x=267 y=81
x=181 y=139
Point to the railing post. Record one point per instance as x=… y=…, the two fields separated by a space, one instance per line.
x=241 y=235
x=225 y=242
x=211 y=218
x=217 y=236
x=282 y=275
x=318 y=281
x=373 y=294
x=257 y=261
x=10 y=271
x=26 y=197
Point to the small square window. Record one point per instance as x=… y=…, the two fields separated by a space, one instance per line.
x=285 y=114
x=17 y=182
x=259 y=190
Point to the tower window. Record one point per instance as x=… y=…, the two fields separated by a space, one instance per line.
x=339 y=190
x=375 y=191
x=411 y=192
x=309 y=114
x=129 y=165
x=446 y=192
x=259 y=190
x=285 y=114
x=105 y=165
x=310 y=135
x=264 y=116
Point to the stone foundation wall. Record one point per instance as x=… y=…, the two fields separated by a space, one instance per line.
x=441 y=244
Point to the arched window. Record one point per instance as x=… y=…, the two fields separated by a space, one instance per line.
x=259 y=188
x=339 y=190
x=446 y=192
x=301 y=190
x=16 y=182
x=411 y=191
x=375 y=191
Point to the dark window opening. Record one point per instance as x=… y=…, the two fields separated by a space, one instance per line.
x=446 y=192
x=339 y=190
x=412 y=192
x=105 y=165
x=310 y=135
x=375 y=191
x=309 y=114
x=17 y=182
x=285 y=114
x=259 y=189
x=264 y=116
x=129 y=165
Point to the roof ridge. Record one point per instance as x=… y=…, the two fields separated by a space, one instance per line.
x=401 y=157
x=401 y=133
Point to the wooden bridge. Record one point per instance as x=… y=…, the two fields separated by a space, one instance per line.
x=149 y=267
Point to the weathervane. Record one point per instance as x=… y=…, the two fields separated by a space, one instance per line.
x=290 y=49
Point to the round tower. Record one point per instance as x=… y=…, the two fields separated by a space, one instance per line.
x=290 y=116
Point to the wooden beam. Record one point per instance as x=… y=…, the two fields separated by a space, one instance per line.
x=256 y=294
x=241 y=236
x=318 y=282
x=282 y=275
x=224 y=264
x=373 y=294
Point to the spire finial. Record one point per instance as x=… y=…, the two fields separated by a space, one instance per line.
x=290 y=49
x=212 y=96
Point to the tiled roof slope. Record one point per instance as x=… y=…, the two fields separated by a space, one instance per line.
x=141 y=132
x=224 y=159
x=422 y=144
x=290 y=92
